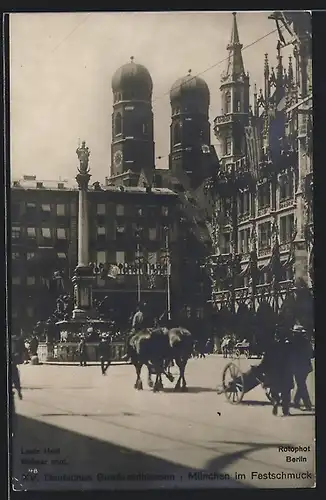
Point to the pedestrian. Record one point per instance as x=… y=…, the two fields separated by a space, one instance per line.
x=82 y=350
x=33 y=345
x=104 y=350
x=278 y=370
x=138 y=320
x=302 y=366
x=15 y=376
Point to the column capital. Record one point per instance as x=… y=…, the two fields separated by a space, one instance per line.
x=83 y=180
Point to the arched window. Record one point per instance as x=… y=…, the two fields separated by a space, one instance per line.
x=228 y=102
x=118 y=124
x=177 y=133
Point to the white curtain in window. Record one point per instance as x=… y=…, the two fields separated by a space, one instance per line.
x=60 y=209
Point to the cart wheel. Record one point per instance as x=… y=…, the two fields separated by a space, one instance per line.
x=246 y=353
x=237 y=353
x=233 y=383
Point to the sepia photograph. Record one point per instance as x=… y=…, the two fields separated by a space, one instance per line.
x=160 y=250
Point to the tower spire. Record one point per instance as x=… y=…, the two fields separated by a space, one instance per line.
x=279 y=74
x=235 y=33
x=235 y=67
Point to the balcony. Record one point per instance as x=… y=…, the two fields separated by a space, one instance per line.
x=264 y=210
x=286 y=202
x=129 y=282
x=266 y=250
x=244 y=216
x=222 y=119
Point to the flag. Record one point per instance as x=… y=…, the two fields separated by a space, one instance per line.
x=276 y=133
x=152 y=258
x=253 y=141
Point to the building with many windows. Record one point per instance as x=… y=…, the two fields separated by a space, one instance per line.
x=132 y=228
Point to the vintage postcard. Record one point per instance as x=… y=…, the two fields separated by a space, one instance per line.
x=161 y=276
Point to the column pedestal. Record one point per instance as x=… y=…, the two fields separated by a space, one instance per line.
x=83 y=299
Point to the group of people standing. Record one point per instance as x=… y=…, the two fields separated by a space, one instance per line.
x=103 y=350
x=287 y=360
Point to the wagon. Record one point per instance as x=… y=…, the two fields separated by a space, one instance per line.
x=246 y=349
x=235 y=383
x=241 y=348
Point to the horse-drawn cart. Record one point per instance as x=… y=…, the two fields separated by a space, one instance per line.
x=242 y=349
x=235 y=383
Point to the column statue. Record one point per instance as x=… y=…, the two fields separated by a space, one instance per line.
x=83 y=154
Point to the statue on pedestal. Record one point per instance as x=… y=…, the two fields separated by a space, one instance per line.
x=83 y=154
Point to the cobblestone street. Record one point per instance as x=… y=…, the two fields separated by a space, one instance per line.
x=102 y=425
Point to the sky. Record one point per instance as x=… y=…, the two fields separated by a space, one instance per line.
x=61 y=66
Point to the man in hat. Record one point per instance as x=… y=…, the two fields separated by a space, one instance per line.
x=33 y=345
x=104 y=351
x=302 y=366
x=138 y=320
x=278 y=370
x=82 y=350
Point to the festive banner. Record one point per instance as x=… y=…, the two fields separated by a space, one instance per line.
x=253 y=141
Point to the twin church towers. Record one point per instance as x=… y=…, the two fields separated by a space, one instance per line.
x=133 y=148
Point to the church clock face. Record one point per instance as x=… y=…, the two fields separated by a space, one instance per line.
x=117 y=158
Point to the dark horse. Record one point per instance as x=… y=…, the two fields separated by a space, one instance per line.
x=157 y=348
x=151 y=348
x=181 y=348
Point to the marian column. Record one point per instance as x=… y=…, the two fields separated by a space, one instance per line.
x=83 y=277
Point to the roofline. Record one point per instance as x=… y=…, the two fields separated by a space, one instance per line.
x=113 y=189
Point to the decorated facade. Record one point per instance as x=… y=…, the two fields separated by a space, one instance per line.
x=261 y=266
x=232 y=236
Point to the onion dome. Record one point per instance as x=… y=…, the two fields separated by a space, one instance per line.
x=133 y=81
x=190 y=88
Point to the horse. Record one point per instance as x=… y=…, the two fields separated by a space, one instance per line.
x=157 y=349
x=181 y=348
x=150 y=347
